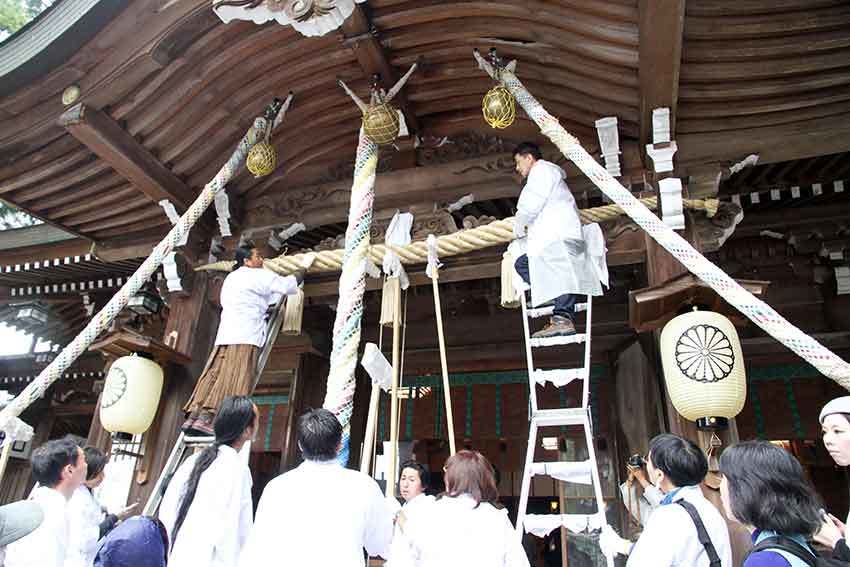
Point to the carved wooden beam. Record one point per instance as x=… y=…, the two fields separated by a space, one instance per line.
x=660 y=54
x=115 y=146
x=363 y=38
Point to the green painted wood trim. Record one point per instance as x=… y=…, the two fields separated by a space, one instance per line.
x=408 y=414
x=438 y=422
x=268 y=441
x=796 y=422
x=597 y=371
x=270 y=400
x=381 y=419
x=781 y=372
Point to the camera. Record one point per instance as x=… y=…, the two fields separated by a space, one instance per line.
x=636 y=461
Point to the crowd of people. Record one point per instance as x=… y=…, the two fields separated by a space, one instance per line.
x=321 y=513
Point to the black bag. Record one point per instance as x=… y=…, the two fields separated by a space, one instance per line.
x=713 y=558
x=787 y=544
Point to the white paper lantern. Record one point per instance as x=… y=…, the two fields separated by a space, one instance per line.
x=131 y=395
x=704 y=368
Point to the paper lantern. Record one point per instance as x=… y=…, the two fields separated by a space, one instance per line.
x=381 y=124
x=262 y=159
x=704 y=368
x=131 y=395
x=499 y=107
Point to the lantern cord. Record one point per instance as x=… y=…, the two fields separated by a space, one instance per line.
x=104 y=317
x=469 y=240
x=762 y=314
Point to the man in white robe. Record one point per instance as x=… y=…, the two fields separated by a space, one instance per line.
x=555 y=260
x=220 y=515
x=246 y=295
x=59 y=467
x=319 y=513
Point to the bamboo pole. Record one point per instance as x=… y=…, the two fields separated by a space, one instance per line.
x=391 y=462
x=369 y=437
x=443 y=364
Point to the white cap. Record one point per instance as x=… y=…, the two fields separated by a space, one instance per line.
x=838 y=405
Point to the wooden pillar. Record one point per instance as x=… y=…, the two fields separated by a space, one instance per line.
x=307 y=391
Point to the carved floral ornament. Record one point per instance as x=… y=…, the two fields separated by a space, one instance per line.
x=309 y=17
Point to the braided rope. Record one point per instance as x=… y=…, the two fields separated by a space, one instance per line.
x=758 y=311
x=104 y=317
x=352 y=285
x=460 y=242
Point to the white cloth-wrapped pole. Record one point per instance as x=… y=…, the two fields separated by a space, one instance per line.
x=101 y=320
x=762 y=314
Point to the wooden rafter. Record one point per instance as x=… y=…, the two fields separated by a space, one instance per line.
x=661 y=26
x=363 y=38
x=114 y=145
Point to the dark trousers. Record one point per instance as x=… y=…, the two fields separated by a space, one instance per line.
x=564 y=304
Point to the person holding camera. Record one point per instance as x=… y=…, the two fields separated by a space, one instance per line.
x=686 y=529
x=639 y=504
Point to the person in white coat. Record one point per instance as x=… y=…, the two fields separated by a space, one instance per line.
x=319 y=513
x=677 y=466
x=246 y=295
x=413 y=483
x=555 y=260
x=59 y=467
x=88 y=521
x=465 y=525
x=207 y=507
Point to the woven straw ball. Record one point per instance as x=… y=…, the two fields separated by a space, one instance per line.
x=381 y=124
x=499 y=107
x=262 y=159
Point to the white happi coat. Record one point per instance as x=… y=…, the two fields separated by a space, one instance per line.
x=219 y=518
x=558 y=259
x=47 y=544
x=84 y=517
x=454 y=532
x=246 y=295
x=319 y=514
x=400 y=552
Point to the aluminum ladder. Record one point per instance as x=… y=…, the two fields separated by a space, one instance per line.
x=587 y=471
x=186 y=445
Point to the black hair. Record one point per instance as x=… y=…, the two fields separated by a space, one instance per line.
x=681 y=460
x=768 y=489
x=49 y=460
x=235 y=415
x=424 y=475
x=319 y=434
x=243 y=252
x=95 y=461
x=528 y=149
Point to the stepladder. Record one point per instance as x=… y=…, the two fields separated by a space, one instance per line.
x=186 y=445
x=560 y=419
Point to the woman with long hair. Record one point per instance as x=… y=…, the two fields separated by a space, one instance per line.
x=764 y=488
x=207 y=508
x=465 y=525
x=835 y=424
x=88 y=521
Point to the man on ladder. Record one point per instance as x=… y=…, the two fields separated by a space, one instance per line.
x=246 y=295
x=553 y=259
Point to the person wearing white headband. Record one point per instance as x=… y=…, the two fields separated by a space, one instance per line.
x=835 y=423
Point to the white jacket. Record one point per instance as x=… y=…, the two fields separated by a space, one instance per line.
x=46 y=546
x=558 y=261
x=84 y=518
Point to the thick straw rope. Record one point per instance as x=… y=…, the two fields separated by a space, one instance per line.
x=758 y=311
x=100 y=322
x=352 y=284
x=463 y=241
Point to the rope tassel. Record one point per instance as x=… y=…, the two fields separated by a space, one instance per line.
x=294 y=313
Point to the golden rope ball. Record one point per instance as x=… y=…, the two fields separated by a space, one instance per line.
x=381 y=124
x=499 y=107
x=262 y=159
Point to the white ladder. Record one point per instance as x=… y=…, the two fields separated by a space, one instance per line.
x=185 y=442
x=585 y=472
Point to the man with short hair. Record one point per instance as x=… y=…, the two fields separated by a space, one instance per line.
x=677 y=467
x=555 y=262
x=246 y=295
x=59 y=466
x=319 y=513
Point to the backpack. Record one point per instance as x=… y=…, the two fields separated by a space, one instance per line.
x=790 y=546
